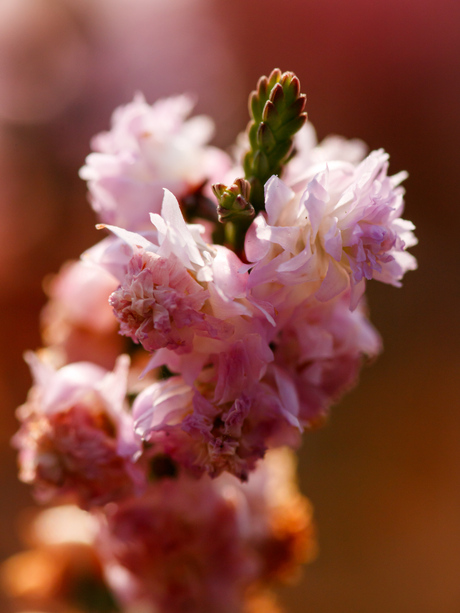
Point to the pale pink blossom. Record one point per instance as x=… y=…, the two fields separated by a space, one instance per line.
x=203 y=434
x=161 y=305
x=82 y=292
x=176 y=288
x=238 y=361
x=205 y=545
x=175 y=549
x=76 y=438
x=78 y=320
x=322 y=348
x=311 y=156
x=150 y=147
x=343 y=228
x=274 y=518
x=113 y=253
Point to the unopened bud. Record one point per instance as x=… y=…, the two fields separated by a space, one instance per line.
x=233 y=200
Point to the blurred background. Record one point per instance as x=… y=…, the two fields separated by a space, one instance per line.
x=384 y=474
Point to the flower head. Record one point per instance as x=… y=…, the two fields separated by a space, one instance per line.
x=311 y=156
x=177 y=288
x=322 y=347
x=147 y=149
x=77 y=320
x=76 y=438
x=343 y=228
x=206 y=435
x=177 y=548
x=207 y=545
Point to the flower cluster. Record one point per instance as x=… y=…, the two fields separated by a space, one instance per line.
x=240 y=323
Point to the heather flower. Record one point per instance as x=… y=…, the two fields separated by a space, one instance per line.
x=112 y=254
x=147 y=149
x=207 y=545
x=237 y=362
x=187 y=496
x=161 y=305
x=205 y=431
x=77 y=321
x=274 y=518
x=311 y=156
x=322 y=347
x=177 y=548
x=82 y=292
x=177 y=288
x=76 y=439
x=343 y=229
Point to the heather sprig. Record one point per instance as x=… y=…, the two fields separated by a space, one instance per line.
x=277 y=110
x=259 y=322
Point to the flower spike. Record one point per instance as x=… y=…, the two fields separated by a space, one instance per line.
x=277 y=109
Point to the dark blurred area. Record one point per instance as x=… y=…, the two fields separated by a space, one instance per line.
x=384 y=474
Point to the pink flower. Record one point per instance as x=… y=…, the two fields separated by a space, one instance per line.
x=78 y=320
x=205 y=545
x=238 y=362
x=82 y=292
x=233 y=437
x=344 y=228
x=203 y=434
x=322 y=348
x=274 y=518
x=161 y=305
x=177 y=288
x=76 y=438
x=311 y=156
x=149 y=148
x=175 y=549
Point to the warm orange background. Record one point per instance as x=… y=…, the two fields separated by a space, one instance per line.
x=384 y=475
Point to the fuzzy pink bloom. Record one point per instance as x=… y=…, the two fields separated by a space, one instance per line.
x=237 y=363
x=274 y=518
x=198 y=545
x=322 y=348
x=177 y=548
x=176 y=288
x=343 y=228
x=161 y=305
x=310 y=155
x=76 y=437
x=82 y=291
x=204 y=435
x=149 y=148
x=77 y=319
